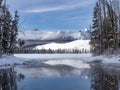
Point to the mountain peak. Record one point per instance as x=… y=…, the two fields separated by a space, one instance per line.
x=54 y=35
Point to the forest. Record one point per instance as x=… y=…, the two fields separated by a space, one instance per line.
x=105 y=36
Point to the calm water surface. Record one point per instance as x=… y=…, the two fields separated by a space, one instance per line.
x=59 y=77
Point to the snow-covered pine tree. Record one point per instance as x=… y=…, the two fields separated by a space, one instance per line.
x=8 y=29
x=116 y=9
x=95 y=38
x=103 y=27
x=1 y=23
x=14 y=31
x=112 y=28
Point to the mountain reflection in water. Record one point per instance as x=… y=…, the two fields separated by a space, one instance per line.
x=98 y=78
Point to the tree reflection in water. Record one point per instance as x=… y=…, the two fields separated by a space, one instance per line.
x=20 y=77
x=8 y=78
x=104 y=79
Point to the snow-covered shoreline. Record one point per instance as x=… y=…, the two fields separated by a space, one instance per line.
x=88 y=58
x=52 y=56
x=57 y=59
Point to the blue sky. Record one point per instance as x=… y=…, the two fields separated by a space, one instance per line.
x=53 y=14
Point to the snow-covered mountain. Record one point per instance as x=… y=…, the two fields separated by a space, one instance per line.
x=77 y=44
x=85 y=34
x=54 y=35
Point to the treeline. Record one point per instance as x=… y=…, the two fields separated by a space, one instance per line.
x=105 y=35
x=50 y=51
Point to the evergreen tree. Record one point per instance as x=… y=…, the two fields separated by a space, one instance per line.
x=14 y=31
x=112 y=28
x=95 y=38
x=8 y=29
x=1 y=23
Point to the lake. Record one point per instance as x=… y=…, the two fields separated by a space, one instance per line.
x=42 y=76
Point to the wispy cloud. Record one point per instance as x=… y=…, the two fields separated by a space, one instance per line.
x=66 y=6
x=75 y=18
x=53 y=14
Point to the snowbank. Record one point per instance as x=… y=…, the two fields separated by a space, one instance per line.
x=11 y=60
x=81 y=57
x=74 y=60
x=78 y=44
x=103 y=59
x=21 y=58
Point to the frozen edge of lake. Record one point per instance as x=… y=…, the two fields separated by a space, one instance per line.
x=21 y=58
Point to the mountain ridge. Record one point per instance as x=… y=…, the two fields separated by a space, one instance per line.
x=54 y=35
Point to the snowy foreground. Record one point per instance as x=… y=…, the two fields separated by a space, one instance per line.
x=74 y=60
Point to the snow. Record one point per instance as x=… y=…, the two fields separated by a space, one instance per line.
x=110 y=59
x=11 y=60
x=21 y=58
x=53 y=35
x=73 y=60
x=103 y=59
x=52 y=56
x=77 y=44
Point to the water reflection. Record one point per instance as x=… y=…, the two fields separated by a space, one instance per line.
x=7 y=79
x=20 y=77
x=53 y=77
x=44 y=70
x=59 y=77
x=104 y=78
x=44 y=77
